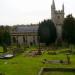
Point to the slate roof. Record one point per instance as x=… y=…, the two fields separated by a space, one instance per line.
x=26 y=28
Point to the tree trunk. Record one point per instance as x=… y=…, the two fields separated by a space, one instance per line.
x=4 y=48
x=39 y=50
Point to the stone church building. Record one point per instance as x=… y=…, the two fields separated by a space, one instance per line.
x=27 y=34
x=24 y=34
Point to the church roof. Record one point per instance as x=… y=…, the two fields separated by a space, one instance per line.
x=26 y=28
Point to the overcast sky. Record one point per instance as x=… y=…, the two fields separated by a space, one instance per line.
x=31 y=11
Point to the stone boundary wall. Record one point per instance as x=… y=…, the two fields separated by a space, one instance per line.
x=43 y=69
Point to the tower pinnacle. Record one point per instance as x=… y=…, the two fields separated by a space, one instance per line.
x=63 y=7
x=53 y=4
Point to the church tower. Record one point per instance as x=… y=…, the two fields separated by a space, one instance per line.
x=57 y=17
x=53 y=11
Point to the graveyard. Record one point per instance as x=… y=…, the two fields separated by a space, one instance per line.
x=32 y=43
x=29 y=63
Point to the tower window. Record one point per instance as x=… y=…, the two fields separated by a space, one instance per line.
x=58 y=17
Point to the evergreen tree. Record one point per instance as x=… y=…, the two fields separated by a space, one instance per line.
x=5 y=38
x=47 y=32
x=68 y=30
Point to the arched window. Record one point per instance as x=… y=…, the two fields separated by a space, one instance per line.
x=58 y=17
x=14 y=40
x=23 y=39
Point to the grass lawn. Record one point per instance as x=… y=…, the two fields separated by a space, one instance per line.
x=27 y=65
x=1 y=49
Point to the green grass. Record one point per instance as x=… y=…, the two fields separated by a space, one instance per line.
x=1 y=49
x=27 y=65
